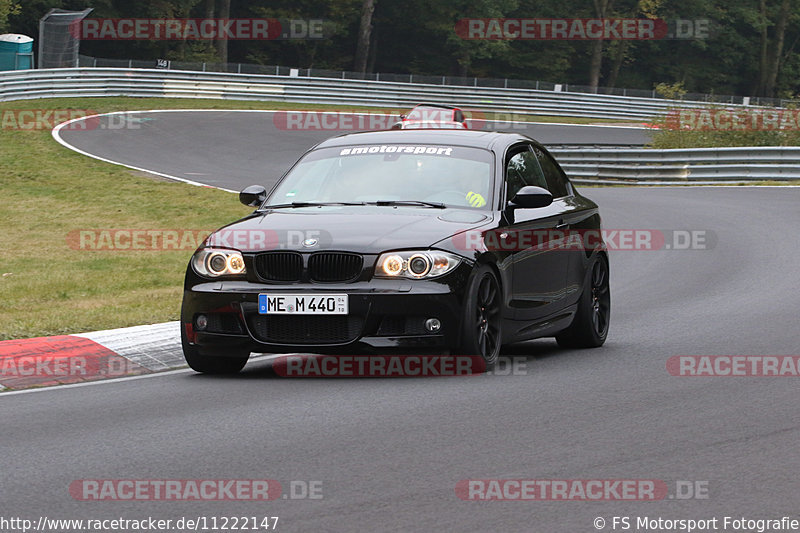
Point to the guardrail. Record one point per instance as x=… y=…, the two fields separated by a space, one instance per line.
x=584 y=165
x=680 y=166
x=466 y=82
x=86 y=82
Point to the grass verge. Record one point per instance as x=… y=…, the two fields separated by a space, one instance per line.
x=715 y=127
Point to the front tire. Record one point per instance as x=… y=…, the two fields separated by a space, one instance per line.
x=481 y=328
x=589 y=328
x=211 y=364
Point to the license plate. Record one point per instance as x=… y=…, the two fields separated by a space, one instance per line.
x=302 y=304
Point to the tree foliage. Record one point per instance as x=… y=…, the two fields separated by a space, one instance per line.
x=7 y=8
x=751 y=48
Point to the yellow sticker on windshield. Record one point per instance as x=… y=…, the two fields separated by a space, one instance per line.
x=475 y=199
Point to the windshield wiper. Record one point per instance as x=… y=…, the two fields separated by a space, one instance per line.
x=309 y=204
x=437 y=205
x=380 y=203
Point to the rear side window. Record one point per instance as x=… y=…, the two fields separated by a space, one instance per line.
x=523 y=169
x=556 y=180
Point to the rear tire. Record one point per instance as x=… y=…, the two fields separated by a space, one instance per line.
x=481 y=330
x=211 y=364
x=589 y=328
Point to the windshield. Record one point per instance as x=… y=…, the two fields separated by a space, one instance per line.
x=453 y=176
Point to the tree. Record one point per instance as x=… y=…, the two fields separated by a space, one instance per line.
x=364 y=36
x=222 y=44
x=771 y=69
x=602 y=8
x=753 y=48
x=7 y=8
x=441 y=19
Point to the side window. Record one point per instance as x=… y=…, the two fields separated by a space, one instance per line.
x=556 y=181
x=523 y=169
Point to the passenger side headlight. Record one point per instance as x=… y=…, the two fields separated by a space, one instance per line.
x=218 y=262
x=424 y=264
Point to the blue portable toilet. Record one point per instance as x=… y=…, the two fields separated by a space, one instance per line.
x=16 y=52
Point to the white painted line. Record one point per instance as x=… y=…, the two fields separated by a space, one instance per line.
x=98 y=382
x=253 y=358
x=145 y=328
x=57 y=136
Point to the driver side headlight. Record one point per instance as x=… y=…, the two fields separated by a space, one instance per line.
x=424 y=264
x=218 y=262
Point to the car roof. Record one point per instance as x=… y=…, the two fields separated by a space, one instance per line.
x=470 y=138
x=438 y=106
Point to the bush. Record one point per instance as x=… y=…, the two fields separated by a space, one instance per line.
x=674 y=91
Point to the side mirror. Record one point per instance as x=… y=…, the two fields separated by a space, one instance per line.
x=403 y=116
x=531 y=196
x=253 y=196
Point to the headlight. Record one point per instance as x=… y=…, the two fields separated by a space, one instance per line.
x=217 y=262
x=416 y=264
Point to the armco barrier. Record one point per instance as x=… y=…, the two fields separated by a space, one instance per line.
x=86 y=82
x=680 y=166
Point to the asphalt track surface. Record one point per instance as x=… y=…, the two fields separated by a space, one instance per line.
x=233 y=149
x=389 y=452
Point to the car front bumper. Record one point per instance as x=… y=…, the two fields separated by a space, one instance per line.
x=384 y=315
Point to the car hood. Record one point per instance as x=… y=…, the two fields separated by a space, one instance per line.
x=360 y=229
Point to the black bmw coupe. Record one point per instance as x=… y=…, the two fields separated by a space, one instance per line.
x=423 y=240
